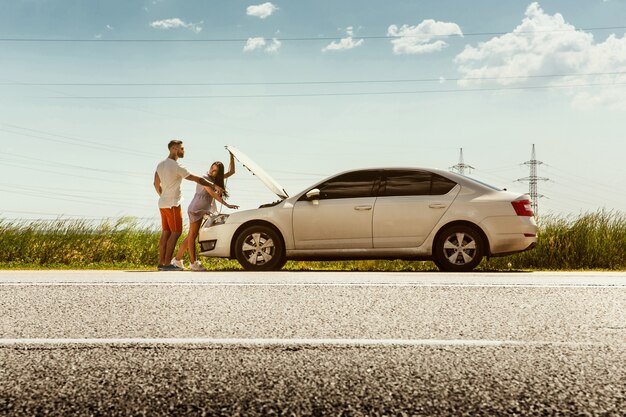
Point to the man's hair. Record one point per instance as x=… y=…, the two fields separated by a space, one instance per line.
x=174 y=143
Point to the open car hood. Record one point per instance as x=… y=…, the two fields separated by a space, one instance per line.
x=258 y=172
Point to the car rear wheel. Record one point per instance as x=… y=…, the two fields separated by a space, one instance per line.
x=260 y=248
x=458 y=249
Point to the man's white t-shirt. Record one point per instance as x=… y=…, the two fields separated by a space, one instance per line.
x=171 y=174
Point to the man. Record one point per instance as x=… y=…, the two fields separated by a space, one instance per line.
x=167 y=181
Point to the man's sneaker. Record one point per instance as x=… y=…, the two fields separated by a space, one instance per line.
x=160 y=267
x=197 y=266
x=178 y=263
x=171 y=267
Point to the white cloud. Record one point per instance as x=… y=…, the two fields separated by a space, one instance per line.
x=418 y=39
x=176 y=23
x=344 y=43
x=261 y=10
x=109 y=27
x=274 y=46
x=260 y=43
x=254 y=43
x=547 y=45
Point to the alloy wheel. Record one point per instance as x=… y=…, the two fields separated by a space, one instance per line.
x=258 y=248
x=459 y=248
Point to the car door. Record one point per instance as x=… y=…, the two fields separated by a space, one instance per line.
x=409 y=205
x=342 y=216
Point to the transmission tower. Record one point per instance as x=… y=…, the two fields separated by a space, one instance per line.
x=461 y=166
x=532 y=180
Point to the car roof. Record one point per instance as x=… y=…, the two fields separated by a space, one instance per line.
x=459 y=179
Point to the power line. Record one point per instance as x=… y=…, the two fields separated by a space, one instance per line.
x=361 y=93
x=76 y=199
x=307 y=38
x=42 y=213
x=29 y=168
x=60 y=216
x=590 y=183
x=319 y=82
x=79 y=167
x=570 y=198
x=483 y=173
x=76 y=141
x=604 y=198
x=85 y=192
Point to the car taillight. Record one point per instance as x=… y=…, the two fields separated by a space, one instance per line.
x=523 y=208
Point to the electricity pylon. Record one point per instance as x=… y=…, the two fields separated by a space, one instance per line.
x=461 y=166
x=532 y=180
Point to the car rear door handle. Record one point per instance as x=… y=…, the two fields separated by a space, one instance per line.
x=437 y=205
x=361 y=208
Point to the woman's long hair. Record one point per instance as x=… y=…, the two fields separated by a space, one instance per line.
x=218 y=179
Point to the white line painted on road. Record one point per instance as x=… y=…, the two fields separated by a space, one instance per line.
x=297 y=284
x=291 y=342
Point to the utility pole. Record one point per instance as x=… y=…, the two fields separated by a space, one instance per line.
x=532 y=180
x=461 y=166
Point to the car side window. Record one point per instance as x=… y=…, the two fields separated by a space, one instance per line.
x=399 y=183
x=350 y=185
x=413 y=182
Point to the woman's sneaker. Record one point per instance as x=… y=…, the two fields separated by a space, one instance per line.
x=178 y=263
x=197 y=266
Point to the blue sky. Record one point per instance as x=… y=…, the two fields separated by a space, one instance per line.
x=490 y=77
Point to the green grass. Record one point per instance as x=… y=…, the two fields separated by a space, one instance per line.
x=77 y=244
x=592 y=241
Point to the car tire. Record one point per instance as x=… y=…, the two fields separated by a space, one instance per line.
x=458 y=249
x=260 y=248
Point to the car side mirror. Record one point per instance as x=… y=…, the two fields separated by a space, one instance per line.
x=313 y=196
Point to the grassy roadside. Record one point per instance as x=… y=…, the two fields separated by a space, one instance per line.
x=592 y=241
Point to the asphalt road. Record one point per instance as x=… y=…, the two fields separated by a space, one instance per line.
x=143 y=343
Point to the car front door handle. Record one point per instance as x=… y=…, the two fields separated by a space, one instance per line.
x=361 y=208
x=437 y=205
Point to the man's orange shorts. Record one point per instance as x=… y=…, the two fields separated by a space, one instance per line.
x=172 y=219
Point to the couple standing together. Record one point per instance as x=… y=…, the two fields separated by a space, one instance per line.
x=167 y=183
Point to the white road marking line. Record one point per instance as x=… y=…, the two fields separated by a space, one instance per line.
x=311 y=284
x=292 y=342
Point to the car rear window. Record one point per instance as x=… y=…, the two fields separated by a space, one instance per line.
x=441 y=185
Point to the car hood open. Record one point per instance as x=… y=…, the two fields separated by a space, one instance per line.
x=258 y=172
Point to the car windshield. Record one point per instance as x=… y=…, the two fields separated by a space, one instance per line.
x=483 y=183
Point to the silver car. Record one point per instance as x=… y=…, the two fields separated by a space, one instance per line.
x=375 y=213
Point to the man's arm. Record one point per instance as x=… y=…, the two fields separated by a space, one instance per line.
x=157 y=183
x=204 y=182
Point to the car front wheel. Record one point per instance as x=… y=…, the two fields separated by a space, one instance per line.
x=458 y=249
x=260 y=248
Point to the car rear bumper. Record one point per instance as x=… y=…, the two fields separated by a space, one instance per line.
x=510 y=234
x=531 y=246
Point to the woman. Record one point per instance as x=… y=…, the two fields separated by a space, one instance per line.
x=200 y=206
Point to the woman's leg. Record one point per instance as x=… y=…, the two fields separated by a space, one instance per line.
x=182 y=248
x=191 y=239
